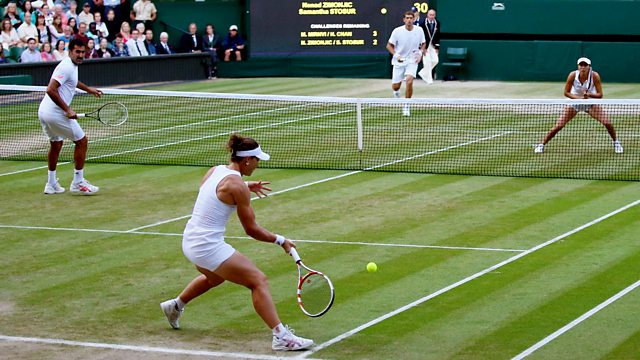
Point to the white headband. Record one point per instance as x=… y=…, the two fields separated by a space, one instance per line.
x=257 y=152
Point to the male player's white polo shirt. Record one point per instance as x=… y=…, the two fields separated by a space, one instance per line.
x=54 y=121
x=404 y=42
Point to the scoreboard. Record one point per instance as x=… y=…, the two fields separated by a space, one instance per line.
x=298 y=27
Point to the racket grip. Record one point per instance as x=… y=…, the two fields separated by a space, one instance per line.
x=81 y=115
x=294 y=254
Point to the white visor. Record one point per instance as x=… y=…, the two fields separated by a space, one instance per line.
x=257 y=152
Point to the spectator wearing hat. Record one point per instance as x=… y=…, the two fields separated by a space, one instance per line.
x=233 y=44
x=86 y=16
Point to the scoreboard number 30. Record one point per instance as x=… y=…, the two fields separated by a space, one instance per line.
x=422 y=7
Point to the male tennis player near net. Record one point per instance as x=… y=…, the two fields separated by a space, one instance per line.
x=583 y=83
x=406 y=45
x=222 y=191
x=58 y=120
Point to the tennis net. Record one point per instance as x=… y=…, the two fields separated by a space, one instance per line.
x=447 y=136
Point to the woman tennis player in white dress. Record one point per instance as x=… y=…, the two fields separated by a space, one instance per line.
x=222 y=191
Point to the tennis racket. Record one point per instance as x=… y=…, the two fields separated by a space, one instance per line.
x=112 y=114
x=315 y=290
x=416 y=56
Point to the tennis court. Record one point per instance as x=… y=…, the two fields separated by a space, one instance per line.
x=470 y=267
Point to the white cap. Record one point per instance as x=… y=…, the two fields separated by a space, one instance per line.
x=584 y=60
x=257 y=152
x=233 y=27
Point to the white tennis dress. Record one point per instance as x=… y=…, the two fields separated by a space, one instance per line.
x=579 y=88
x=203 y=239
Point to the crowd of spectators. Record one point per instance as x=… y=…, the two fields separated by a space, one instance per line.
x=42 y=29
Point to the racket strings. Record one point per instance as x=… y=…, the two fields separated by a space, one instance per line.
x=315 y=294
x=113 y=114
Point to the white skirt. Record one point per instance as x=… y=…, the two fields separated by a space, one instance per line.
x=206 y=253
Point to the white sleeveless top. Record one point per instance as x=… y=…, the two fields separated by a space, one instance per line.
x=210 y=215
x=579 y=88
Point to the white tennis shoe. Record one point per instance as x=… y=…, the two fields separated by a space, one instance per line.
x=396 y=94
x=539 y=149
x=83 y=188
x=53 y=189
x=406 y=111
x=170 y=309
x=290 y=342
x=617 y=147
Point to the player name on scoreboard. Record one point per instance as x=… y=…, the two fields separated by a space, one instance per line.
x=315 y=37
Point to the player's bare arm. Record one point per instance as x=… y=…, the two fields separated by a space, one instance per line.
x=392 y=50
x=568 y=85
x=597 y=82
x=93 y=91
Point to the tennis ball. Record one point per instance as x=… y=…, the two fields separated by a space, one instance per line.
x=372 y=267
x=383 y=10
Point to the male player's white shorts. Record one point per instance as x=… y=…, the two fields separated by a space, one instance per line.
x=401 y=72
x=58 y=127
x=209 y=253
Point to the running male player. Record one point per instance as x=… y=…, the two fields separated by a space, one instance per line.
x=58 y=120
x=583 y=83
x=406 y=44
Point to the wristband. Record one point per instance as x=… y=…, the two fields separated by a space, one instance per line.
x=279 y=240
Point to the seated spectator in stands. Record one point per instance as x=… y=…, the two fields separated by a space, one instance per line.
x=143 y=11
x=115 y=6
x=135 y=45
x=141 y=28
x=91 y=52
x=103 y=50
x=61 y=50
x=66 y=4
x=28 y=8
x=97 y=7
x=93 y=33
x=55 y=30
x=85 y=15
x=31 y=54
x=57 y=10
x=125 y=31
x=27 y=30
x=72 y=12
x=163 y=47
x=46 y=53
x=11 y=13
x=3 y=59
x=191 y=42
x=82 y=33
x=73 y=26
x=100 y=25
x=119 y=47
x=67 y=35
x=43 y=33
x=211 y=43
x=44 y=10
x=148 y=42
x=233 y=44
x=9 y=35
x=113 y=26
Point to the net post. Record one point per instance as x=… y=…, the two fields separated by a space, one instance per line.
x=359 y=126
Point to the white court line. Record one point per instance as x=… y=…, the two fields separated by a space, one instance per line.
x=189 y=140
x=249 y=238
x=345 y=174
x=149 y=349
x=461 y=282
x=577 y=321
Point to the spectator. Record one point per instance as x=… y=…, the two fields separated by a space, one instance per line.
x=3 y=59
x=115 y=6
x=60 y=52
x=103 y=50
x=11 y=13
x=191 y=42
x=73 y=25
x=27 y=30
x=72 y=12
x=233 y=44
x=91 y=52
x=141 y=28
x=125 y=31
x=85 y=16
x=92 y=32
x=97 y=7
x=135 y=44
x=100 y=26
x=55 y=30
x=31 y=54
x=431 y=28
x=211 y=43
x=82 y=33
x=9 y=35
x=43 y=35
x=67 y=35
x=163 y=46
x=148 y=42
x=48 y=14
x=66 y=4
x=119 y=47
x=143 y=11
x=28 y=8
x=113 y=27
x=46 y=53
x=57 y=10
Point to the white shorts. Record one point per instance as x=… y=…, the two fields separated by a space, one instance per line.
x=582 y=107
x=401 y=72
x=58 y=127
x=206 y=254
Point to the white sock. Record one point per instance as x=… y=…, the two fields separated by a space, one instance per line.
x=179 y=303
x=52 y=177
x=279 y=331
x=396 y=93
x=78 y=176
